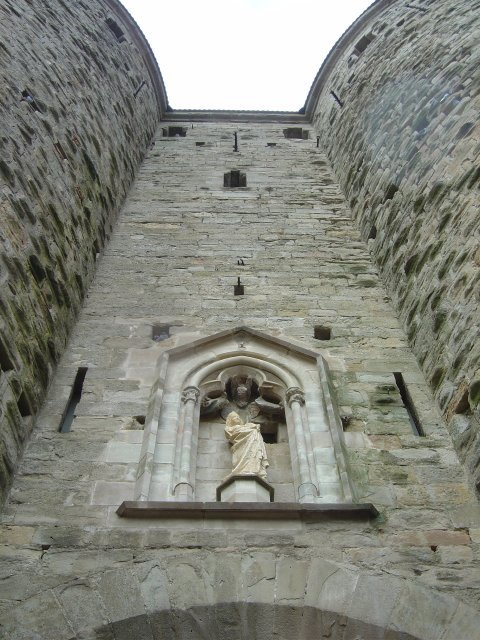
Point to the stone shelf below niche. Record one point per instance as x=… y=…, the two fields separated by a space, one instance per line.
x=247 y=510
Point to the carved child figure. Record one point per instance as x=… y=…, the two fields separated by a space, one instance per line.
x=249 y=456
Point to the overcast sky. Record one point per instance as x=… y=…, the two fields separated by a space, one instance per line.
x=242 y=54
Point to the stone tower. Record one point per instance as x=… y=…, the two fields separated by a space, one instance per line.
x=317 y=273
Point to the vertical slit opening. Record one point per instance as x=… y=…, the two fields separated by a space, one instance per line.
x=115 y=29
x=408 y=404
x=73 y=400
x=60 y=151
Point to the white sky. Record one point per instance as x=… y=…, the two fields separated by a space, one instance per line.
x=242 y=54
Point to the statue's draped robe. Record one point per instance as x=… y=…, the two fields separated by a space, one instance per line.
x=249 y=455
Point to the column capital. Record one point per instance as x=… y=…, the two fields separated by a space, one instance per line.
x=190 y=393
x=294 y=394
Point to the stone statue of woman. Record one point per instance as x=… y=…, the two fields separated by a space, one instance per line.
x=249 y=456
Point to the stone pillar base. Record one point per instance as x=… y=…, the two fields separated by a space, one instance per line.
x=245 y=488
x=183 y=491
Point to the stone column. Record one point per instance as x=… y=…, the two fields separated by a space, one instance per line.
x=307 y=491
x=183 y=489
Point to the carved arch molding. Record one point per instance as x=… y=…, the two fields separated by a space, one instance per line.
x=284 y=374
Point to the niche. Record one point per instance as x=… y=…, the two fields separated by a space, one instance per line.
x=296 y=133
x=234 y=178
x=320 y=332
x=363 y=43
x=281 y=386
x=160 y=332
x=174 y=132
x=256 y=397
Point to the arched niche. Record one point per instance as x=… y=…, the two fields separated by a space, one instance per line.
x=257 y=395
x=281 y=370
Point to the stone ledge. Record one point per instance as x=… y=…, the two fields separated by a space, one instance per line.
x=246 y=510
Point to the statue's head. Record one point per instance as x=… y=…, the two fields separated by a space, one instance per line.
x=233 y=419
x=242 y=395
x=241 y=390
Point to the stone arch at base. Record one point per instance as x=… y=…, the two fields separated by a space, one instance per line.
x=166 y=594
x=250 y=621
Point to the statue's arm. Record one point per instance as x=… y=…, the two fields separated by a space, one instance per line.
x=211 y=406
x=269 y=407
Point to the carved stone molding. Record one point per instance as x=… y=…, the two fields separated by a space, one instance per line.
x=290 y=385
x=190 y=393
x=294 y=394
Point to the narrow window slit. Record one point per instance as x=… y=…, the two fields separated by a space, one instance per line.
x=412 y=6
x=408 y=404
x=115 y=29
x=74 y=399
x=30 y=100
x=139 y=88
x=23 y=405
x=363 y=43
x=6 y=361
x=60 y=151
x=336 y=98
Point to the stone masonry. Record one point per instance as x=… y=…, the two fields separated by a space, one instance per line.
x=73 y=134
x=342 y=246
x=172 y=263
x=404 y=145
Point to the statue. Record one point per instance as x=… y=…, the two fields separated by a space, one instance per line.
x=242 y=396
x=249 y=456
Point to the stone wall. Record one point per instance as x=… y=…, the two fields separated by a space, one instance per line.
x=166 y=278
x=396 y=107
x=76 y=121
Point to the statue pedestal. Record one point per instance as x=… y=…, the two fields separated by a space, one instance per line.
x=246 y=488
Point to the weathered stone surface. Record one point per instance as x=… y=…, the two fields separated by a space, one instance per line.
x=70 y=149
x=404 y=147
x=71 y=568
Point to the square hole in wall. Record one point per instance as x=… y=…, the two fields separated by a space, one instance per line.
x=234 y=178
x=320 y=332
x=174 y=132
x=296 y=133
x=160 y=332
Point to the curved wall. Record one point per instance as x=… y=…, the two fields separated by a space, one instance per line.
x=396 y=108
x=81 y=97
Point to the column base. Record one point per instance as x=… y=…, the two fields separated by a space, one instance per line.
x=183 y=491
